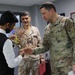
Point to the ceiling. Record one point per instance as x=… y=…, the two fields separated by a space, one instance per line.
x=23 y=2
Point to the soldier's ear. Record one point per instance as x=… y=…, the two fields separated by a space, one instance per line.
x=30 y=18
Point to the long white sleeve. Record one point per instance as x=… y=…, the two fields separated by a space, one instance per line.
x=9 y=54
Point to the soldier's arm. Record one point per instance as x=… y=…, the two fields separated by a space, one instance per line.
x=71 y=30
x=45 y=45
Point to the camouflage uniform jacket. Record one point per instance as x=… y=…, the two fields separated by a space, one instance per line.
x=59 y=38
x=31 y=39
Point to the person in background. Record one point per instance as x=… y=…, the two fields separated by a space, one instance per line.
x=29 y=36
x=7 y=56
x=59 y=38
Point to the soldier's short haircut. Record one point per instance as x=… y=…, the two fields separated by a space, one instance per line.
x=48 y=6
x=25 y=13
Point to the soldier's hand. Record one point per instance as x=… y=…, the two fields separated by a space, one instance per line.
x=28 y=51
x=42 y=60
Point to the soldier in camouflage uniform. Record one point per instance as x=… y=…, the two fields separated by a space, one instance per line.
x=29 y=36
x=59 y=38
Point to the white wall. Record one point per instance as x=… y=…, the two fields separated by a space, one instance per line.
x=4 y=7
x=65 y=6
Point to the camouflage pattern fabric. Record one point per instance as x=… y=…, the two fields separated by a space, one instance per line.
x=30 y=62
x=59 y=38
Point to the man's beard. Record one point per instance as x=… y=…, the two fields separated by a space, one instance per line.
x=7 y=30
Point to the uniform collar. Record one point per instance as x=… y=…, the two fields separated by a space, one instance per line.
x=57 y=21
